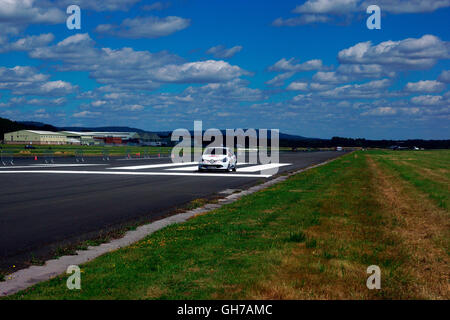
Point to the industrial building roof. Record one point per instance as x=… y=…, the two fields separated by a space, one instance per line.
x=44 y=132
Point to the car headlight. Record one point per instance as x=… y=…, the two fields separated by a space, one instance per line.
x=224 y=160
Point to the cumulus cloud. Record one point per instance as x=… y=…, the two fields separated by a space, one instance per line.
x=338 y=11
x=201 y=71
x=408 y=54
x=445 y=76
x=28 y=43
x=428 y=100
x=291 y=65
x=129 y=69
x=86 y=114
x=427 y=86
x=159 y=5
x=16 y=15
x=298 y=86
x=301 y=20
x=278 y=80
x=305 y=86
x=145 y=27
x=110 y=5
x=221 y=52
x=372 y=89
x=24 y=80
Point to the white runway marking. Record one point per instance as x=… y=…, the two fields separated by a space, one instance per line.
x=51 y=166
x=187 y=174
x=193 y=168
x=137 y=159
x=152 y=166
x=263 y=167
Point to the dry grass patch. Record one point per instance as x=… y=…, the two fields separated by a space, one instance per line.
x=423 y=228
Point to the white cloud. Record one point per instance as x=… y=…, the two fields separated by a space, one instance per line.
x=221 y=52
x=330 y=77
x=328 y=6
x=28 y=43
x=109 y=5
x=343 y=11
x=156 y=6
x=145 y=27
x=86 y=114
x=24 y=80
x=428 y=86
x=291 y=65
x=428 y=100
x=278 y=80
x=16 y=15
x=298 y=86
x=380 y=111
x=201 y=71
x=301 y=20
x=368 y=90
x=444 y=76
x=408 y=6
x=408 y=54
x=57 y=87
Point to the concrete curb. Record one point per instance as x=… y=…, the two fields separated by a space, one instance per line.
x=28 y=277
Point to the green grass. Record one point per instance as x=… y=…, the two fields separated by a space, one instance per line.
x=311 y=236
x=70 y=150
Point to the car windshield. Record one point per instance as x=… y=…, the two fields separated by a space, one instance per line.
x=216 y=151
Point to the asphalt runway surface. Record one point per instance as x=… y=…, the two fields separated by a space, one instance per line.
x=44 y=206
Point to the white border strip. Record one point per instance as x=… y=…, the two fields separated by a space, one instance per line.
x=153 y=166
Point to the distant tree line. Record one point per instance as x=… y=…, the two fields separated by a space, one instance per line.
x=365 y=143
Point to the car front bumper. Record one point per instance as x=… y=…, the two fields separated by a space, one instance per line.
x=213 y=166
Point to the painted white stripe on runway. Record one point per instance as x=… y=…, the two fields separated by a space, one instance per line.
x=229 y=175
x=153 y=166
x=263 y=167
x=137 y=159
x=50 y=166
x=193 y=168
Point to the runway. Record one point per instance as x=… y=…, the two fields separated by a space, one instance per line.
x=43 y=206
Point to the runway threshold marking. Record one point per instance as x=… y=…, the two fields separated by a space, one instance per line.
x=153 y=166
x=137 y=173
x=263 y=167
x=195 y=168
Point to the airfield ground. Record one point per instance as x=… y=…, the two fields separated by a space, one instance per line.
x=310 y=237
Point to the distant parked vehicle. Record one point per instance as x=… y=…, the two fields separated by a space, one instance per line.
x=29 y=146
x=339 y=149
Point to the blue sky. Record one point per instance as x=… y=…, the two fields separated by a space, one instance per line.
x=311 y=68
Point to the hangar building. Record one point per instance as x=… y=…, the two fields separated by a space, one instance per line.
x=34 y=137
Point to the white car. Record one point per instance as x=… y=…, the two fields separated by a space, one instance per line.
x=217 y=158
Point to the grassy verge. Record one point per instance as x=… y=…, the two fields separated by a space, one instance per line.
x=311 y=237
x=71 y=150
